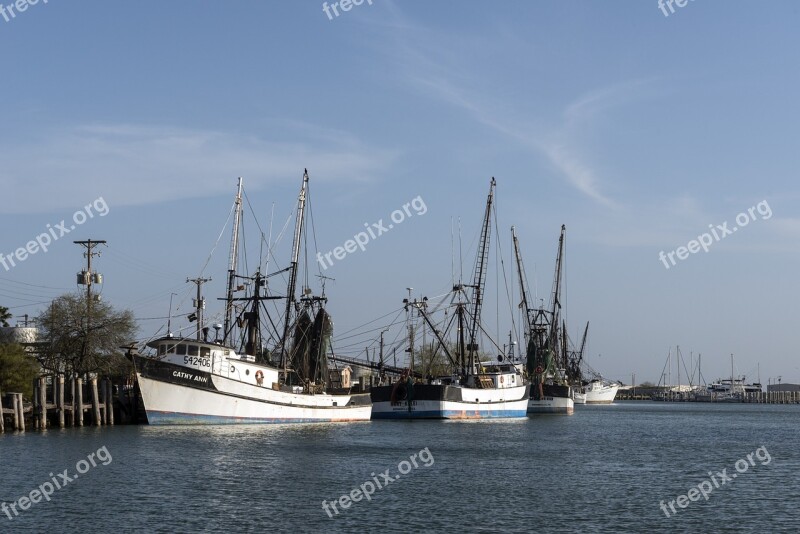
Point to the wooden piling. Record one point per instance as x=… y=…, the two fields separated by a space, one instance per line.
x=79 y=394
x=2 y=415
x=95 y=402
x=42 y=403
x=60 y=401
x=101 y=388
x=72 y=419
x=109 y=403
x=35 y=413
x=20 y=411
x=16 y=410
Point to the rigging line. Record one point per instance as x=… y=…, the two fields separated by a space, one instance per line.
x=366 y=332
x=260 y=232
x=509 y=294
x=219 y=238
x=314 y=235
x=269 y=239
x=498 y=258
x=394 y=344
x=271 y=246
x=400 y=311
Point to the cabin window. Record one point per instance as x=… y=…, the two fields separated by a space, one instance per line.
x=171 y=349
x=193 y=350
x=162 y=349
x=181 y=350
x=205 y=352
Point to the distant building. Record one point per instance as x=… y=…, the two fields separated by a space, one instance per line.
x=783 y=387
x=24 y=335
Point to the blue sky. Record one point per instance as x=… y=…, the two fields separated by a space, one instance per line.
x=636 y=130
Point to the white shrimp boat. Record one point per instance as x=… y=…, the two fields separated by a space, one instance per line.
x=193 y=382
x=478 y=390
x=497 y=392
x=202 y=381
x=550 y=393
x=600 y=392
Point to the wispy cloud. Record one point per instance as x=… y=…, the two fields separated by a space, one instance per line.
x=430 y=67
x=135 y=164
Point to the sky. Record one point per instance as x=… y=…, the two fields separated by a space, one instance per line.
x=639 y=131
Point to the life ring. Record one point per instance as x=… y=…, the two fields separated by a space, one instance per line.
x=259 y=377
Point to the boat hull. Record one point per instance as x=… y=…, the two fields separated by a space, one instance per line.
x=443 y=401
x=551 y=405
x=178 y=396
x=556 y=400
x=604 y=395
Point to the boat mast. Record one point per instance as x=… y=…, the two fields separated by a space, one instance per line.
x=253 y=345
x=232 y=260
x=290 y=292
x=479 y=280
x=522 y=283
x=555 y=311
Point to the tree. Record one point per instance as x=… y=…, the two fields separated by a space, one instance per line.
x=4 y=316
x=18 y=369
x=71 y=344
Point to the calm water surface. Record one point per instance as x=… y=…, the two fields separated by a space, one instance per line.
x=604 y=469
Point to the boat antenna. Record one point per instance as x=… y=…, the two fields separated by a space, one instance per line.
x=323 y=278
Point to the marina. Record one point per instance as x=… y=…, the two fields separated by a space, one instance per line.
x=377 y=266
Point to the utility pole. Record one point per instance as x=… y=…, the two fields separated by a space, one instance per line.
x=88 y=278
x=410 y=327
x=199 y=304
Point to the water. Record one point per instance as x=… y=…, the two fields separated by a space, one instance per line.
x=604 y=469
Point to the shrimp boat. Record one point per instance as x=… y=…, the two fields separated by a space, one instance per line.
x=473 y=390
x=200 y=381
x=599 y=391
x=546 y=347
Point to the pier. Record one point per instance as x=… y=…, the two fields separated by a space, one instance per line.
x=757 y=397
x=60 y=403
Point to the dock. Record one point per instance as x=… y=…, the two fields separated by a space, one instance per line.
x=756 y=397
x=61 y=403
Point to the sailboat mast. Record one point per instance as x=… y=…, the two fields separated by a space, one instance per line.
x=480 y=277
x=290 y=291
x=232 y=261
